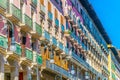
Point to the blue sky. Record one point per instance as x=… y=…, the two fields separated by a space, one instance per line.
x=108 y=12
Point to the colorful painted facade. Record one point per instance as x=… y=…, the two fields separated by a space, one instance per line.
x=113 y=65
x=52 y=40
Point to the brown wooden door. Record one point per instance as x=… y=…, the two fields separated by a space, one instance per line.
x=20 y=75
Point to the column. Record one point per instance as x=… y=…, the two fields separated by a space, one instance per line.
x=15 y=72
x=78 y=73
x=1 y=68
x=27 y=75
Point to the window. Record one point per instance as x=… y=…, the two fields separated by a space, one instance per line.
x=49 y=25
x=56 y=13
x=62 y=35
x=42 y=2
x=56 y=31
x=57 y=1
x=9 y=30
x=7 y=76
x=60 y=3
x=61 y=19
x=32 y=12
x=77 y=5
x=42 y=17
x=23 y=39
x=49 y=6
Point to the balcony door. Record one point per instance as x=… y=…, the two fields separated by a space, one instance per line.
x=20 y=75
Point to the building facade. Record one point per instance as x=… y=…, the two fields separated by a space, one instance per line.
x=52 y=40
x=113 y=64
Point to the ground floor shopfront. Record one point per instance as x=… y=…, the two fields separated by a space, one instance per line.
x=11 y=69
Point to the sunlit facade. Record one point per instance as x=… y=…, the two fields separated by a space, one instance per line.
x=52 y=40
x=113 y=64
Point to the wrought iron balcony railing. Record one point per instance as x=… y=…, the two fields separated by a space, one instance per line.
x=3 y=42
x=39 y=59
x=38 y=29
x=27 y=20
x=18 y=50
x=54 y=41
x=46 y=35
x=29 y=54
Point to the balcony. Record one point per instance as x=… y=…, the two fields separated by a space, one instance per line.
x=3 y=44
x=74 y=21
x=17 y=53
x=50 y=16
x=79 y=41
x=79 y=27
x=14 y=13
x=71 y=18
x=34 y=3
x=80 y=60
x=106 y=70
x=45 y=36
x=66 y=50
x=62 y=28
x=18 y=50
x=73 y=37
x=57 y=69
x=67 y=33
x=56 y=22
x=60 y=46
x=67 y=13
x=28 y=58
x=42 y=9
x=39 y=59
x=54 y=42
x=29 y=54
x=3 y=6
x=26 y=24
x=37 y=30
x=86 y=36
